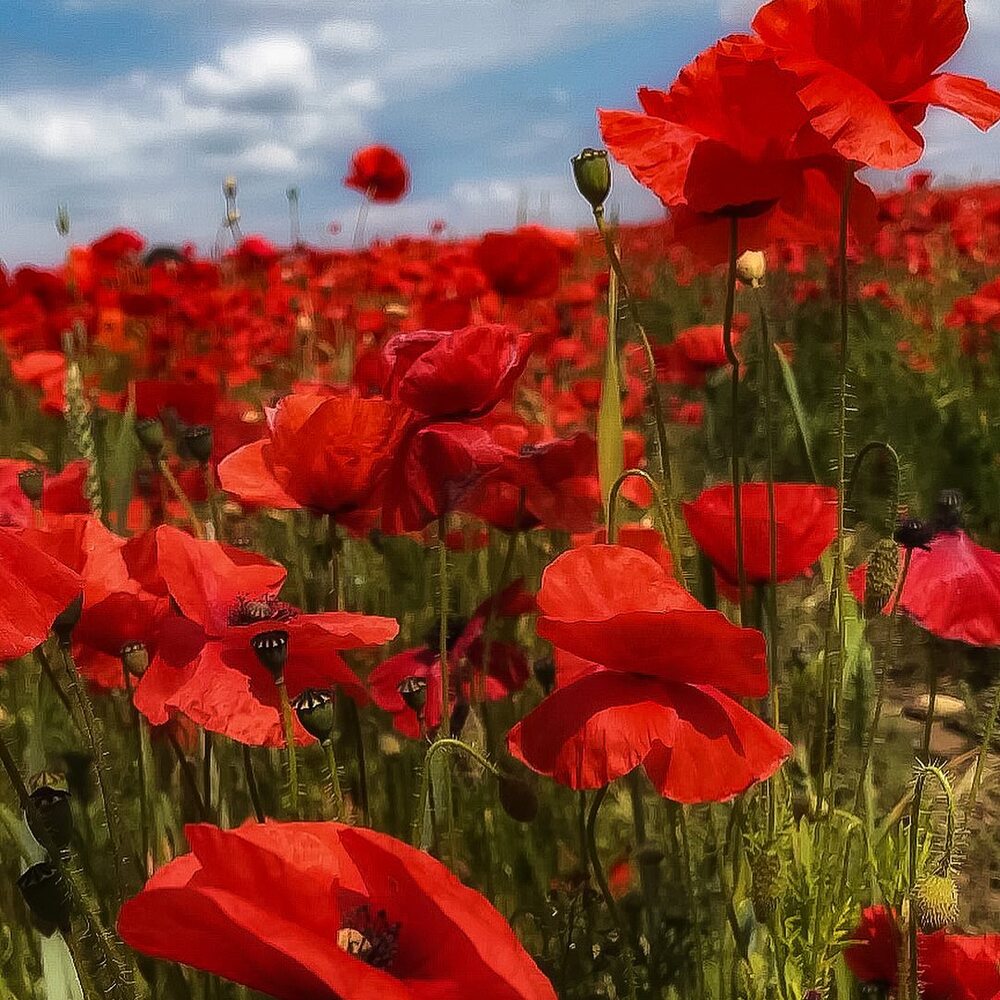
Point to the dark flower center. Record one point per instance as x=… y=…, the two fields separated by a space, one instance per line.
x=372 y=937
x=252 y=610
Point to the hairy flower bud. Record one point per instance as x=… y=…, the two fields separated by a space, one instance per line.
x=883 y=571
x=936 y=902
x=765 y=875
x=592 y=173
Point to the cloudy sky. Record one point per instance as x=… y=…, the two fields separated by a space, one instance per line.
x=133 y=113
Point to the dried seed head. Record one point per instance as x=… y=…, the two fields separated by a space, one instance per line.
x=135 y=658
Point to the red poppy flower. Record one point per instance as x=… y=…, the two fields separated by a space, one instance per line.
x=524 y=264
x=951 y=966
x=952 y=589
x=325 y=453
x=205 y=667
x=730 y=137
x=34 y=589
x=806 y=521
x=694 y=353
x=643 y=683
x=867 y=72
x=507 y=669
x=463 y=373
x=379 y=173
x=328 y=912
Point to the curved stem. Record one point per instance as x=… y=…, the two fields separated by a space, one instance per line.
x=737 y=444
x=614 y=492
x=290 y=751
x=852 y=481
x=652 y=388
x=182 y=498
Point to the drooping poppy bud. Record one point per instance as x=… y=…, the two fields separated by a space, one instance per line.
x=937 y=902
x=517 y=796
x=592 y=174
x=52 y=819
x=31 y=481
x=315 y=710
x=883 y=571
x=47 y=896
x=150 y=434
x=272 y=651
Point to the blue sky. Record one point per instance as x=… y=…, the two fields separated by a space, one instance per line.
x=133 y=113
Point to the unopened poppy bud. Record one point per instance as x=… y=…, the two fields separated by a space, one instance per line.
x=751 y=268
x=545 y=673
x=229 y=187
x=413 y=691
x=62 y=220
x=66 y=620
x=31 y=481
x=51 y=820
x=47 y=896
x=135 y=658
x=233 y=216
x=914 y=534
x=592 y=173
x=883 y=570
x=518 y=798
x=150 y=435
x=949 y=510
x=315 y=709
x=937 y=902
x=197 y=442
x=272 y=651
x=765 y=873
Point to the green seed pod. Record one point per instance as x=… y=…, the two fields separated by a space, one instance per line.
x=51 y=820
x=31 y=481
x=315 y=709
x=135 y=658
x=272 y=651
x=196 y=442
x=592 y=173
x=47 y=896
x=151 y=437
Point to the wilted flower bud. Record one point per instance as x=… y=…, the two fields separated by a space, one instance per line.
x=66 y=620
x=51 y=800
x=914 y=534
x=232 y=216
x=751 y=268
x=937 y=902
x=47 y=895
x=135 y=658
x=197 y=442
x=229 y=187
x=883 y=571
x=62 y=220
x=272 y=651
x=150 y=435
x=518 y=798
x=31 y=481
x=413 y=691
x=592 y=173
x=315 y=709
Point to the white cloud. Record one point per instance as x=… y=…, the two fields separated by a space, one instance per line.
x=348 y=36
x=279 y=64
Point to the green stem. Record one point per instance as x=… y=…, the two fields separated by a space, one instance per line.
x=613 y=494
x=140 y=763
x=331 y=763
x=691 y=899
x=737 y=442
x=251 y=780
x=188 y=778
x=984 y=749
x=182 y=498
x=602 y=883
x=84 y=972
x=291 y=755
x=359 y=747
x=206 y=771
x=653 y=390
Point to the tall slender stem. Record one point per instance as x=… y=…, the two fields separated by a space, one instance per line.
x=331 y=763
x=984 y=749
x=736 y=436
x=188 y=777
x=182 y=498
x=359 y=746
x=140 y=763
x=291 y=755
x=442 y=547
x=251 y=779
x=206 y=770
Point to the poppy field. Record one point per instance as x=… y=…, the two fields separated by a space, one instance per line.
x=610 y=613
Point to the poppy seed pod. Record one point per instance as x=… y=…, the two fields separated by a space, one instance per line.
x=413 y=691
x=47 y=896
x=31 y=481
x=949 y=511
x=135 y=658
x=751 y=268
x=592 y=174
x=914 y=534
x=197 y=443
x=150 y=435
x=315 y=710
x=272 y=651
x=66 y=620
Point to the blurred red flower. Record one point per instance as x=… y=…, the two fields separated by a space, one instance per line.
x=951 y=966
x=640 y=682
x=525 y=263
x=806 y=520
x=379 y=173
x=867 y=71
x=329 y=912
